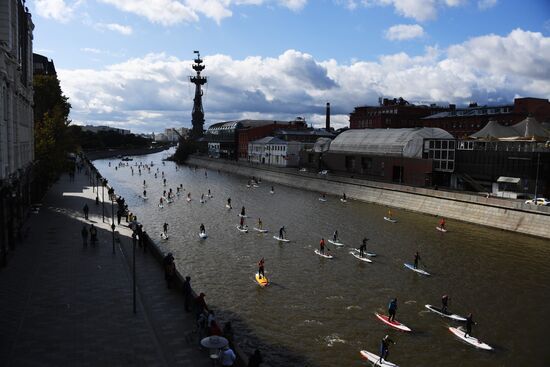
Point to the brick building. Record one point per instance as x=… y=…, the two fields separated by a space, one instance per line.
x=251 y=132
x=391 y=113
x=463 y=122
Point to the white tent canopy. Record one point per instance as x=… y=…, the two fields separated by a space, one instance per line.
x=392 y=142
x=494 y=130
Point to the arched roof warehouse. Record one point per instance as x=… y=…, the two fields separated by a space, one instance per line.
x=389 y=142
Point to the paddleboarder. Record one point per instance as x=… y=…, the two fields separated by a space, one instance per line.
x=242 y=212
x=469 y=323
x=442 y=223
x=322 y=246
x=363 y=247
x=392 y=309
x=344 y=197
x=261 y=268
x=241 y=225
x=444 y=303
x=202 y=229
x=282 y=232
x=260 y=224
x=335 y=236
x=144 y=193
x=384 y=348
x=165 y=228
x=389 y=214
x=416 y=259
x=229 y=203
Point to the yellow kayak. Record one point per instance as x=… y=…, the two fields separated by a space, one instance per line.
x=262 y=280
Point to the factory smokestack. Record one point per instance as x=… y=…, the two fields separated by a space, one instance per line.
x=327 y=121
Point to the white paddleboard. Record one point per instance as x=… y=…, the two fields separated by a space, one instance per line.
x=144 y=197
x=356 y=255
x=390 y=219
x=169 y=201
x=203 y=235
x=243 y=216
x=260 y=230
x=228 y=206
x=336 y=243
x=281 y=239
x=248 y=186
x=449 y=315
x=375 y=359
x=441 y=229
x=254 y=185
x=322 y=199
x=370 y=254
x=202 y=201
x=161 y=206
x=459 y=332
x=163 y=236
x=418 y=270
x=242 y=229
x=343 y=200
x=323 y=255
x=188 y=199
x=272 y=192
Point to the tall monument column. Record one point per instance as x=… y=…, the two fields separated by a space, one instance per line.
x=197 y=116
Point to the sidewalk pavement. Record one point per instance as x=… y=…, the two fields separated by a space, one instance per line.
x=63 y=304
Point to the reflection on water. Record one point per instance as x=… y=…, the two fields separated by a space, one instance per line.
x=323 y=309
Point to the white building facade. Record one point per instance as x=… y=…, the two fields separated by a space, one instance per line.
x=274 y=152
x=16 y=91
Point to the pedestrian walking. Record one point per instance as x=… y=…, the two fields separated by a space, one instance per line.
x=187 y=293
x=169 y=269
x=93 y=235
x=228 y=357
x=84 y=233
x=86 y=210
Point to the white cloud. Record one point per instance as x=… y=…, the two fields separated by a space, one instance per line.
x=401 y=32
x=91 y=50
x=55 y=9
x=420 y=10
x=122 y=29
x=486 y=4
x=150 y=93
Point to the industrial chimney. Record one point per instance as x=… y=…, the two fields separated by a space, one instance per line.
x=327 y=121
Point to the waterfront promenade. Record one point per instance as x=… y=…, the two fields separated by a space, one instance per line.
x=63 y=304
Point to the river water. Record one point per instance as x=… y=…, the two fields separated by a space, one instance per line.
x=320 y=312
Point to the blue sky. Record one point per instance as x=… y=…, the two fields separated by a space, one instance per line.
x=125 y=62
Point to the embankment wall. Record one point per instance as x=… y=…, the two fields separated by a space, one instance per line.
x=499 y=213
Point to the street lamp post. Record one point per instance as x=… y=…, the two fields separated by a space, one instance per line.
x=103 y=184
x=111 y=193
x=134 y=270
x=537 y=177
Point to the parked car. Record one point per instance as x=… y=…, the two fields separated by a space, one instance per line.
x=303 y=169
x=538 y=201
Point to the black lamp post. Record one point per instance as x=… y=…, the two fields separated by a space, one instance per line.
x=103 y=184
x=111 y=193
x=97 y=178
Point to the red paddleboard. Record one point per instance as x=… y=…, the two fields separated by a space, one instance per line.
x=395 y=324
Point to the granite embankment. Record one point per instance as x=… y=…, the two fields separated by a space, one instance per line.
x=108 y=153
x=493 y=212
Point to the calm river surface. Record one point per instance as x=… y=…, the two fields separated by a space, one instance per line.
x=320 y=312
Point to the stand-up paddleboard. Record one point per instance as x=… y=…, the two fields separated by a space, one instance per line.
x=336 y=243
x=271 y=192
x=254 y=185
x=202 y=201
x=144 y=197
x=243 y=216
x=460 y=333
x=261 y=230
x=419 y=271
x=370 y=254
x=248 y=186
x=164 y=236
x=228 y=206
x=390 y=219
x=261 y=280
x=322 y=199
x=169 y=201
x=441 y=229
x=356 y=255
x=445 y=314
x=210 y=196
x=394 y=324
x=188 y=199
x=343 y=200
x=281 y=239
x=375 y=359
x=203 y=235
x=161 y=206
x=242 y=229
x=323 y=255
